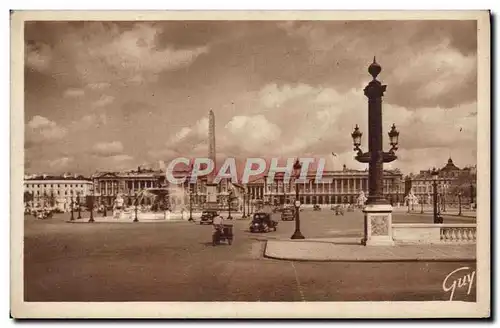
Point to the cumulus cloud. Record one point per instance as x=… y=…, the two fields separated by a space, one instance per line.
x=252 y=133
x=133 y=54
x=60 y=163
x=107 y=149
x=74 y=92
x=40 y=129
x=98 y=85
x=187 y=141
x=103 y=101
x=122 y=158
x=90 y=121
x=37 y=56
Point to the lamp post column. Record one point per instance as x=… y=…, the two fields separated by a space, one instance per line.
x=378 y=211
x=136 y=219
x=190 y=206
x=459 y=204
x=297 y=234
x=79 y=206
x=435 y=201
x=91 y=219
x=72 y=209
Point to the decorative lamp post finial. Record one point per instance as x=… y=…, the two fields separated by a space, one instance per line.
x=374 y=69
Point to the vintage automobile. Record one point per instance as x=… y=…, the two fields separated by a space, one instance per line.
x=224 y=233
x=207 y=217
x=262 y=222
x=339 y=210
x=288 y=214
x=316 y=207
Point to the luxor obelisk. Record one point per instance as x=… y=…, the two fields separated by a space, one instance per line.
x=211 y=186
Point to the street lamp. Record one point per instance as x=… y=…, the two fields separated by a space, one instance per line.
x=136 y=219
x=72 y=207
x=378 y=209
x=296 y=173
x=91 y=207
x=79 y=206
x=437 y=218
x=190 y=205
x=459 y=203
x=422 y=204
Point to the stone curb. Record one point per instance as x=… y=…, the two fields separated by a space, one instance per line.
x=352 y=259
x=86 y=220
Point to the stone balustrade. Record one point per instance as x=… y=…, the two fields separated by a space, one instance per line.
x=448 y=233
x=458 y=234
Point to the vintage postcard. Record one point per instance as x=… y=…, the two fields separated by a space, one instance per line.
x=250 y=164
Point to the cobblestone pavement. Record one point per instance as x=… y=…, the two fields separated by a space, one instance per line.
x=176 y=262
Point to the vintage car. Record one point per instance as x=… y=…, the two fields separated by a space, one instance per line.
x=316 y=207
x=262 y=222
x=207 y=217
x=288 y=214
x=339 y=210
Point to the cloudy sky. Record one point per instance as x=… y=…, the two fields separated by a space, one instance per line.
x=115 y=95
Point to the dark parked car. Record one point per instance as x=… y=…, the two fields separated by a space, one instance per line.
x=207 y=217
x=262 y=222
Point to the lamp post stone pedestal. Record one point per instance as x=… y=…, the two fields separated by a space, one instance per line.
x=378 y=225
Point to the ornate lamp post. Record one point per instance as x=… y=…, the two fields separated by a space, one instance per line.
x=435 y=196
x=378 y=211
x=190 y=205
x=136 y=203
x=296 y=173
x=459 y=203
x=92 y=207
x=72 y=207
x=79 y=206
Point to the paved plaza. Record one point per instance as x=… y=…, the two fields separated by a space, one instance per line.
x=175 y=261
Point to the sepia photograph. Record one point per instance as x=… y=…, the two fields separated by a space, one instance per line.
x=287 y=164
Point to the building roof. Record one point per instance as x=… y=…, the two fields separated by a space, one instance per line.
x=450 y=166
x=56 y=177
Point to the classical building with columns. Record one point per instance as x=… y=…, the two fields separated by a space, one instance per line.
x=344 y=188
x=180 y=196
x=55 y=191
x=451 y=179
x=107 y=185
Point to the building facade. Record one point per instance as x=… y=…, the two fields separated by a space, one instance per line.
x=343 y=187
x=56 y=191
x=451 y=180
x=153 y=184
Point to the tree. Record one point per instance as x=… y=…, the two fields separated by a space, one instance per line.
x=465 y=183
x=28 y=197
